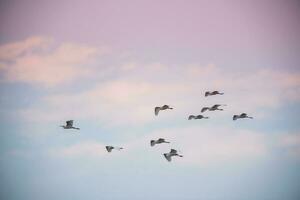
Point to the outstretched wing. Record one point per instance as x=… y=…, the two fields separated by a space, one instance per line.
x=161 y=140
x=216 y=106
x=243 y=115
x=109 y=148
x=168 y=157
x=156 y=110
x=191 y=117
x=69 y=123
x=173 y=151
x=152 y=143
x=204 y=109
x=207 y=94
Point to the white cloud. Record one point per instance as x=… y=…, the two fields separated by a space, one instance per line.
x=36 y=62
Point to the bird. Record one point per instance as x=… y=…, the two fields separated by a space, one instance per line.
x=213 y=93
x=243 y=115
x=164 y=107
x=110 y=148
x=69 y=125
x=197 y=117
x=173 y=152
x=159 y=141
x=213 y=108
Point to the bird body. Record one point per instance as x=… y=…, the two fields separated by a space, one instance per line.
x=241 y=116
x=110 y=148
x=169 y=155
x=69 y=125
x=212 y=93
x=159 y=141
x=164 y=107
x=197 y=117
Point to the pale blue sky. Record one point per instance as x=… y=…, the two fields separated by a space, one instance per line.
x=106 y=65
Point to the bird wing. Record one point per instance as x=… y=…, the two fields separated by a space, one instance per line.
x=109 y=148
x=199 y=117
x=243 y=115
x=168 y=157
x=161 y=140
x=173 y=151
x=215 y=106
x=156 y=110
x=69 y=123
x=215 y=92
x=191 y=117
x=204 y=109
x=152 y=143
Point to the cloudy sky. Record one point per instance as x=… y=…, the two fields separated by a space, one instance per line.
x=107 y=64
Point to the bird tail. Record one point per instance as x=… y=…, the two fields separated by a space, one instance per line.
x=221 y=93
x=206 y=117
x=250 y=117
x=77 y=128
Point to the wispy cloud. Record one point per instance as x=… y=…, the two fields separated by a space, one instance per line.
x=37 y=62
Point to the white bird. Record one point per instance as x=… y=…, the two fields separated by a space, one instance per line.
x=173 y=152
x=197 y=117
x=164 y=107
x=110 y=148
x=213 y=93
x=241 y=116
x=213 y=108
x=159 y=141
x=69 y=125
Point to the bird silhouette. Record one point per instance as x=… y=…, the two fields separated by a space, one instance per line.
x=212 y=93
x=213 y=108
x=110 y=148
x=159 y=141
x=69 y=125
x=173 y=152
x=197 y=117
x=241 y=116
x=164 y=107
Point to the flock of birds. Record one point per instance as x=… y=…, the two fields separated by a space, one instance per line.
x=173 y=152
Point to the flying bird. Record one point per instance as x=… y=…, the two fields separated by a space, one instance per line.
x=213 y=108
x=241 y=116
x=110 y=148
x=159 y=141
x=197 y=117
x=213 y=93
x=173 y=152
x=69 y=125
x=164 y=107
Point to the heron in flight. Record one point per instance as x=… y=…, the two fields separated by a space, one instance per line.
x=197 y=117
x=110 y=148
x=213 y=93
x=173 y=152
x=164 y=107
x=241 y=116
x=213 y=108
x=69 y=125
x=159 y=141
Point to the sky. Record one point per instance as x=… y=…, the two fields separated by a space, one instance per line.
x=107 y=64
